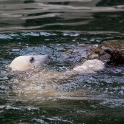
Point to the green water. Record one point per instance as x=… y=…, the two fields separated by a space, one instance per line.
x=51 y=27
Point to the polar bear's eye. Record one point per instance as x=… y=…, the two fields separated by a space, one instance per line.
x=32 y=59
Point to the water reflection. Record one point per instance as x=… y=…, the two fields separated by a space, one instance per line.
x=110 y=3
x=64 y=15
x=53 y=27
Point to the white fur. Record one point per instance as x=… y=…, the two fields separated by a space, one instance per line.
x=89 y=66
x=23 y=63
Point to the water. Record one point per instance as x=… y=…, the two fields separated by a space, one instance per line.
x=54 y=27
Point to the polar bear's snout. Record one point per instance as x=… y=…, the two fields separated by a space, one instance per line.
x=47 y=59
x=39 y=60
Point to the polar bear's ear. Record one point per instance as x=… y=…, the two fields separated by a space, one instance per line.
x=32 y=60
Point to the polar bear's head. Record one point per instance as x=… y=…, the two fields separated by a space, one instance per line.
x=23 y=63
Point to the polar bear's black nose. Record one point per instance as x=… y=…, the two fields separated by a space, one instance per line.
x=48 y=59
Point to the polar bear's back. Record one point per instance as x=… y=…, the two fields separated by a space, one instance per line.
x=89 y=66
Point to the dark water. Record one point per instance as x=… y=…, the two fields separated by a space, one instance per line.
x=51 y=27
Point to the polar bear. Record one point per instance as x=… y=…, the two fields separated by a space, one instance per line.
x=33 y=84
x=23 y=63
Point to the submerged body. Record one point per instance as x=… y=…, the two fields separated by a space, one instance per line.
x=35 y=83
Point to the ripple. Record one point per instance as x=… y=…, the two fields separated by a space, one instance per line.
x=37 y=15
